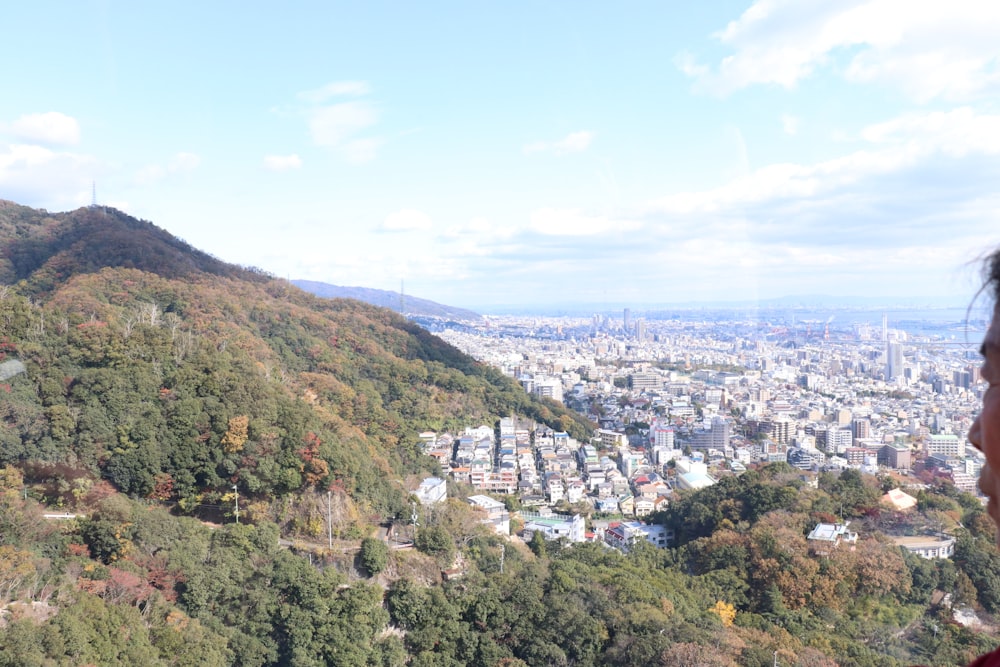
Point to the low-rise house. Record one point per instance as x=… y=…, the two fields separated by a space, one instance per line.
x=606 y=490
x=496 y=513
x=607 y=504
x=826 y=537
x=927 y=546
x=644 y=506
x=661 y=503
x=652 y=489
x=619 y=483
x=692 y=481
x=575 y=491
x=431 y=491
x=554 y=526
x=899 y=500
x=622 y=535
x=554 y=487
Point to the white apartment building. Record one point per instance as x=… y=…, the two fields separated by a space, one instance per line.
x=947 y=444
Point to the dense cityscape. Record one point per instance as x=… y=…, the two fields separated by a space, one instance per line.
x=682 y=402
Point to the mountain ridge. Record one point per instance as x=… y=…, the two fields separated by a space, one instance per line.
x=411 y=305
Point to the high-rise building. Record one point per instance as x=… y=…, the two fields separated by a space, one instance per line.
x=663 y=436
x=780 y=430
x=549 y=388
x=715 y=436
x=838 y=439
x=894 y=361
x=627 y=320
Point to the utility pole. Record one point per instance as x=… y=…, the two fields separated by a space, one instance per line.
x=503 y=552
x=237 y=510
x=329 y=519
x=413 y=520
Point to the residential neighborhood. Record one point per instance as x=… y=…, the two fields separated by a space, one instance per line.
x=681 y=404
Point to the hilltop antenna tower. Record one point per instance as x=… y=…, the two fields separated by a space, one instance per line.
x=401 y=292
x=93 y=194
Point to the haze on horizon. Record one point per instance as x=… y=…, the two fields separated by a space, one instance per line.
x=535 y=154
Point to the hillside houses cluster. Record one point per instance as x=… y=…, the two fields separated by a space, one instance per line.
x=546 y=468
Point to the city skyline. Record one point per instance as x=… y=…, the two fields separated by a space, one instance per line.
x=540 y=155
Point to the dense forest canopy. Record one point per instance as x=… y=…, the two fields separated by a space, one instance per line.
x=739 y=593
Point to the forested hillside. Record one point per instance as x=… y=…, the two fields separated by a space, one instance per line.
x=746 y=592
x=175 y=376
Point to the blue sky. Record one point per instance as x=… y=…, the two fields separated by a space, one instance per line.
x=537 y=153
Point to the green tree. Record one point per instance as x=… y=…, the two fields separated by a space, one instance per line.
x=374 y=555
x=435 y=541
x=537 y=544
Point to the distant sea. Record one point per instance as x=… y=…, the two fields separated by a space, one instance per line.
x=958 y=324
x=934 y=317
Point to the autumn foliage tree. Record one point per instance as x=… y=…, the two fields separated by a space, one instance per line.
x=236 y=436
x=314 y=469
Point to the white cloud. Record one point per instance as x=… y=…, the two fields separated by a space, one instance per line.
x=686 y=63
x=335 y=89
x=282 y=162
x=893 y=214
x=39 y=176
x=52 y=128
x=575 y=142
x=340 y=126
x=955 y=132
x=917 y=176
x=573 y=222
x=927 y=49
x=477 y=225
x=479 y=237
x=406 y=219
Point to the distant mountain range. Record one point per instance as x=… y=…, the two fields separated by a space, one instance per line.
x=411 y=305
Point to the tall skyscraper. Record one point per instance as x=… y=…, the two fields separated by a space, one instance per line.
x=628 y=320
x=894 y=361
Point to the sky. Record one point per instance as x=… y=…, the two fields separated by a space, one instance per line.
x=546 y=154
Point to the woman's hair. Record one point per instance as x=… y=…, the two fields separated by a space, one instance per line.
x=991 y=276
